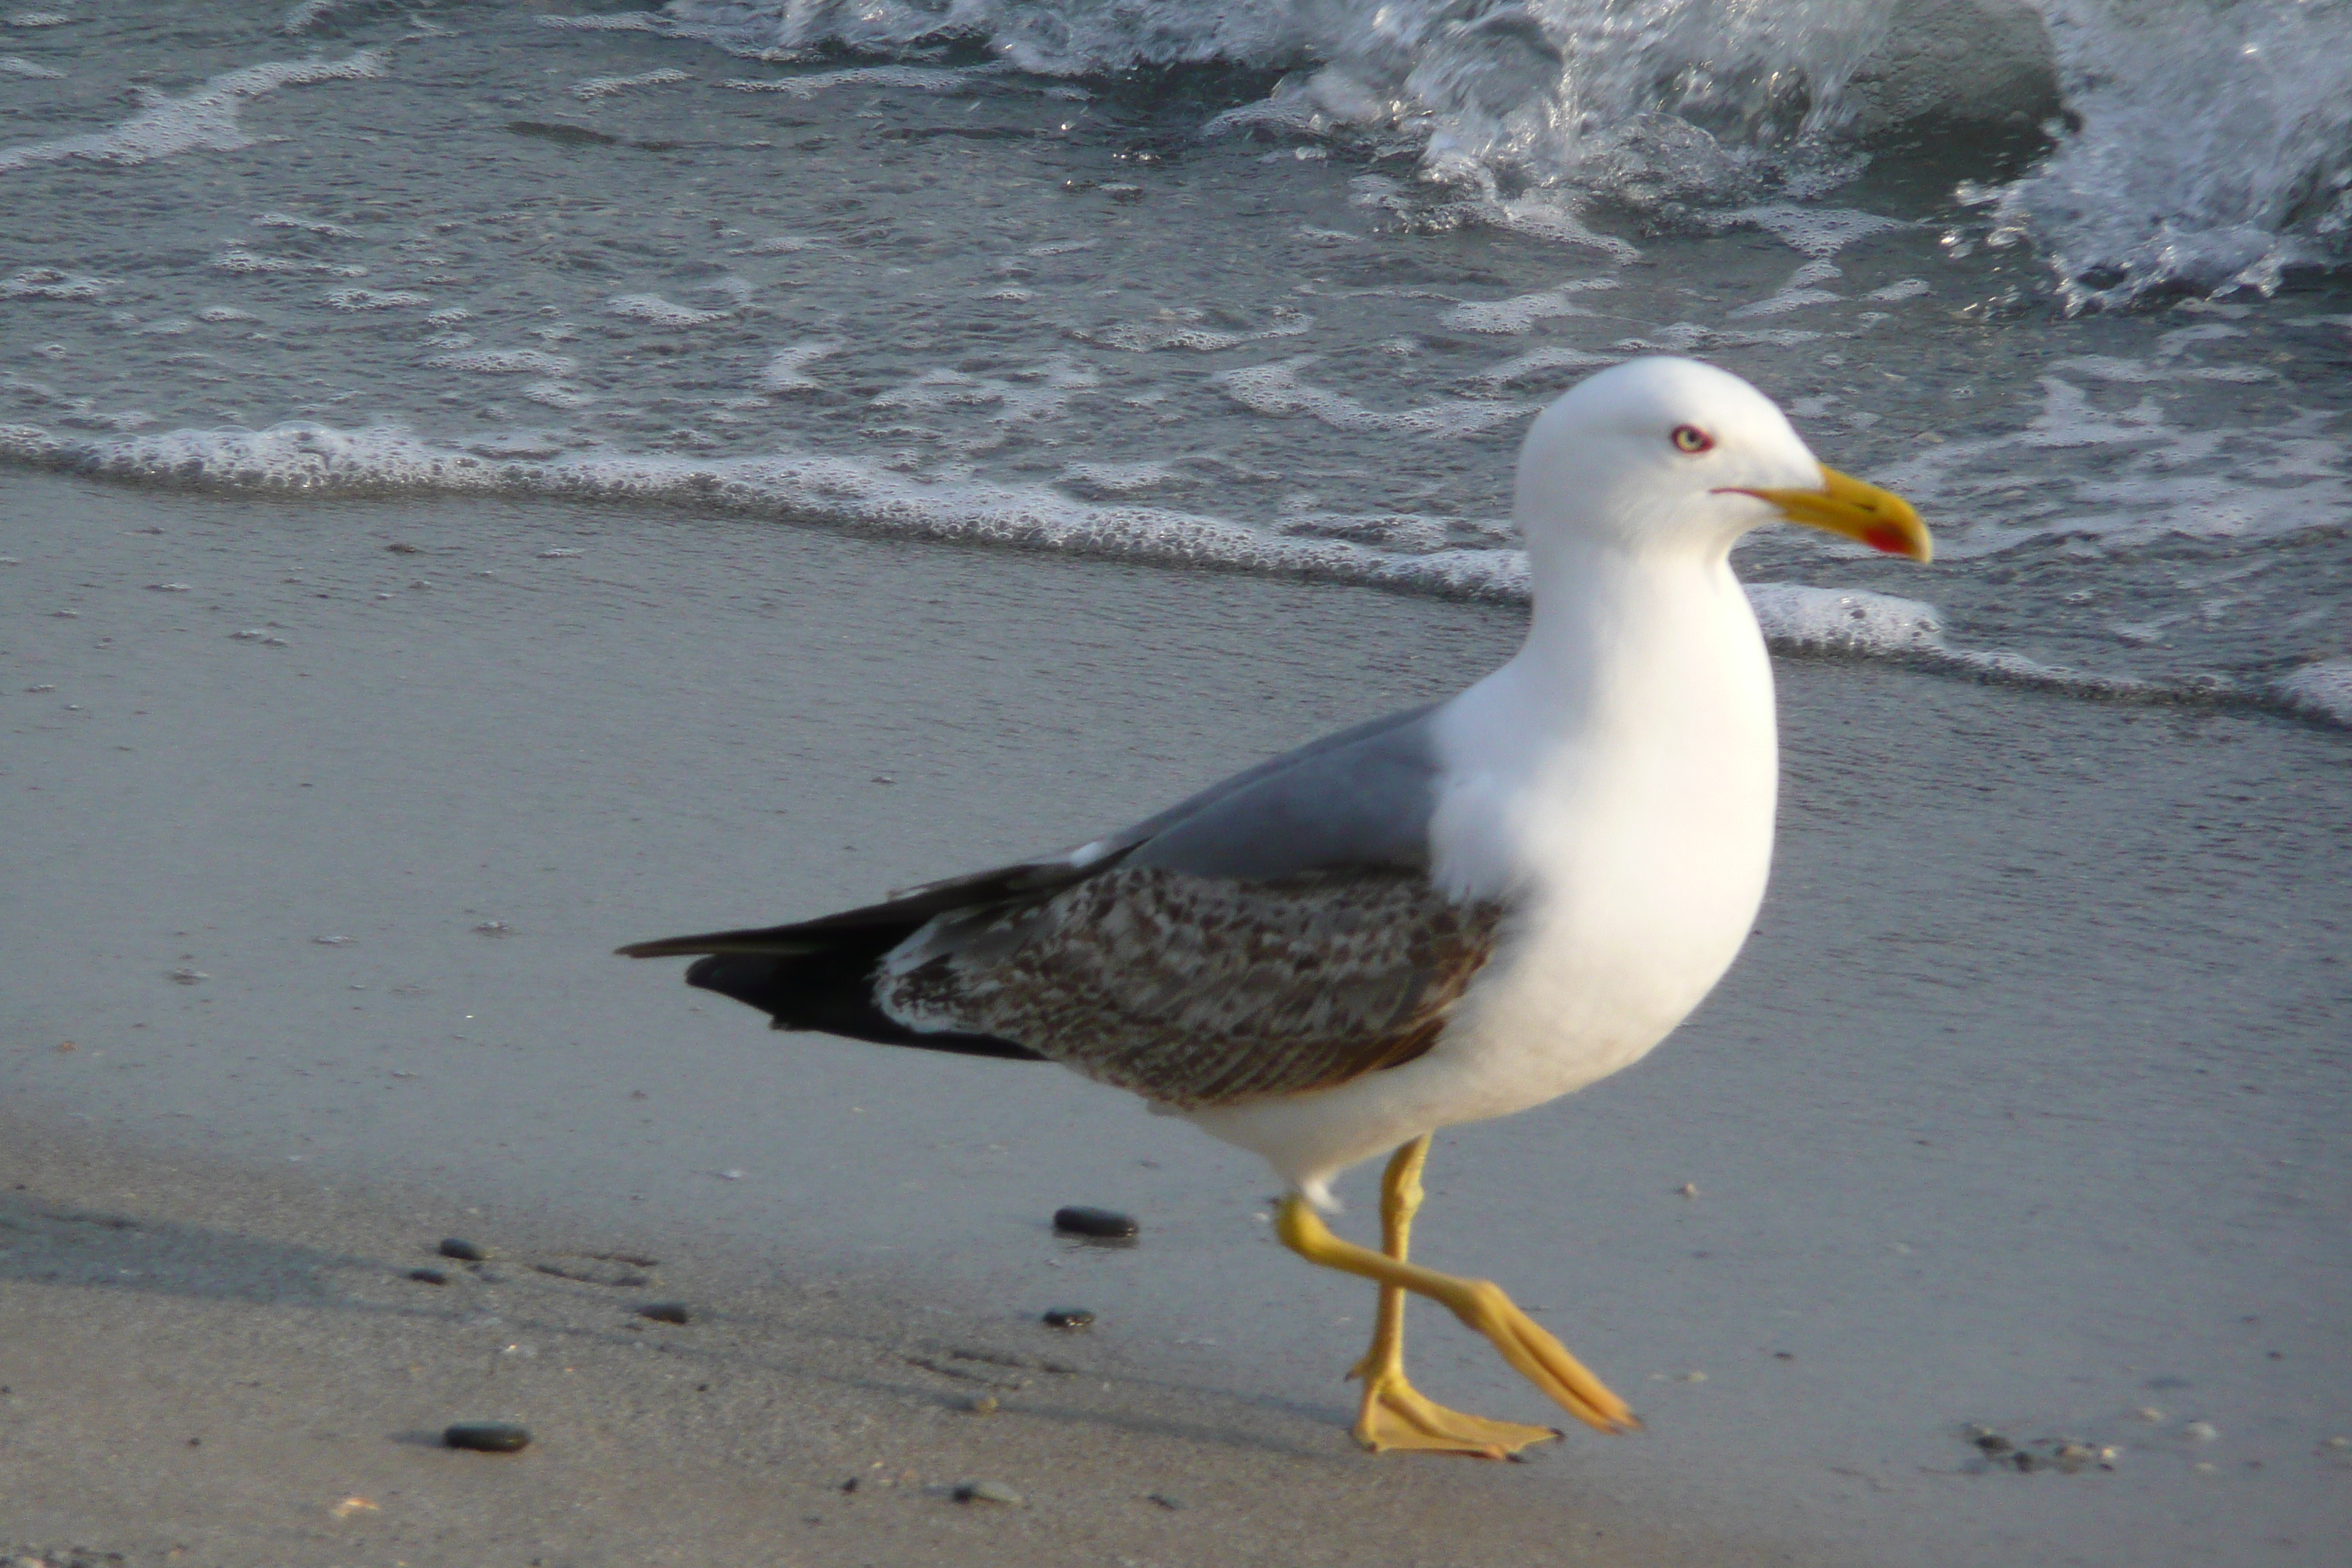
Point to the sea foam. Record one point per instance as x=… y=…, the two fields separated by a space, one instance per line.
x=204 y=120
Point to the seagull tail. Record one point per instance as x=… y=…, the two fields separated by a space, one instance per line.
x=817 y=977
x=819 y=974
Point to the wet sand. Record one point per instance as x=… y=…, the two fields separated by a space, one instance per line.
x=2022 y=1110
x=212 y=1365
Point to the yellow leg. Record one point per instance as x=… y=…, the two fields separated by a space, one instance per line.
x=1395 y=1414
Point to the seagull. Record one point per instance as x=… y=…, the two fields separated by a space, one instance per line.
x=1446 y=915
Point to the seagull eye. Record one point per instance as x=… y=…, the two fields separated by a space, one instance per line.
x=1691 y=438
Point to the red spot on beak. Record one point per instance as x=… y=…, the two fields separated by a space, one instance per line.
x=1888 y=538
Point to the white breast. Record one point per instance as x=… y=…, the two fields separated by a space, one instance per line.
x=1623 y=805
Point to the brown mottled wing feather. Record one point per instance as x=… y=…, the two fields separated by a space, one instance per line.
x=1196 y=990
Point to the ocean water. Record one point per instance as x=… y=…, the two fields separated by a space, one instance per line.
x=1256 y=286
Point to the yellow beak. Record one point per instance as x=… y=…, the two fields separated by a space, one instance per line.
x=1880 y=518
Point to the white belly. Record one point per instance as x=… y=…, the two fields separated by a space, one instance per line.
x=1584 y=984
x=1596 y=975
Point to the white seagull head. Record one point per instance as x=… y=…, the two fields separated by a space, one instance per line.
x=1670 y=457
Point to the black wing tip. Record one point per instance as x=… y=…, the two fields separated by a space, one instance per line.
x=770 y=941
x=667 y=947
x=766 y=944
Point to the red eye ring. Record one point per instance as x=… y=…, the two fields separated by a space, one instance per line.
x=1691 y=439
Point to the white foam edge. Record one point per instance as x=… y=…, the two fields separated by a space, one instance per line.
x=1276 y=390
x=845 y=492
x=2321 y=690
x=1800 y=616
x=803 y=487
x=597 y=87
x=920 y=78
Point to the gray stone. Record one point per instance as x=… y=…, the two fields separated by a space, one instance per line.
x=487 y=1437
x=1099 y=1224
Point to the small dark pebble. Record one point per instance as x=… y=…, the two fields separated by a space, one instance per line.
x=665 y=1312
x=428 y=1276
x=1106 y=1225
x=487 y=1437
x=2025 y=1462
x=464 y=1251
x=1164 y=1501
x=1069 y=1318
x=850 y=1485
x=1784 y=1356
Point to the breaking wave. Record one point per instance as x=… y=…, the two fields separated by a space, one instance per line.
x=2199 y=145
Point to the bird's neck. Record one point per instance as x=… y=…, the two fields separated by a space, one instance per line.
x=1629 y=642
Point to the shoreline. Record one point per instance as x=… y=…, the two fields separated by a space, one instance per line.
x=1799 y=619
x=2018 y=1111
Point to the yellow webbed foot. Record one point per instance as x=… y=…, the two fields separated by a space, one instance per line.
x=1397 y=1415
x=1481 y=1307
x=1537 y=1356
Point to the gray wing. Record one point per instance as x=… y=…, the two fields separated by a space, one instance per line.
x=1362 y=797
x=1274 y=935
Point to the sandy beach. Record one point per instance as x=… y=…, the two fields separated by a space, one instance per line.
x=2020 y=1117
